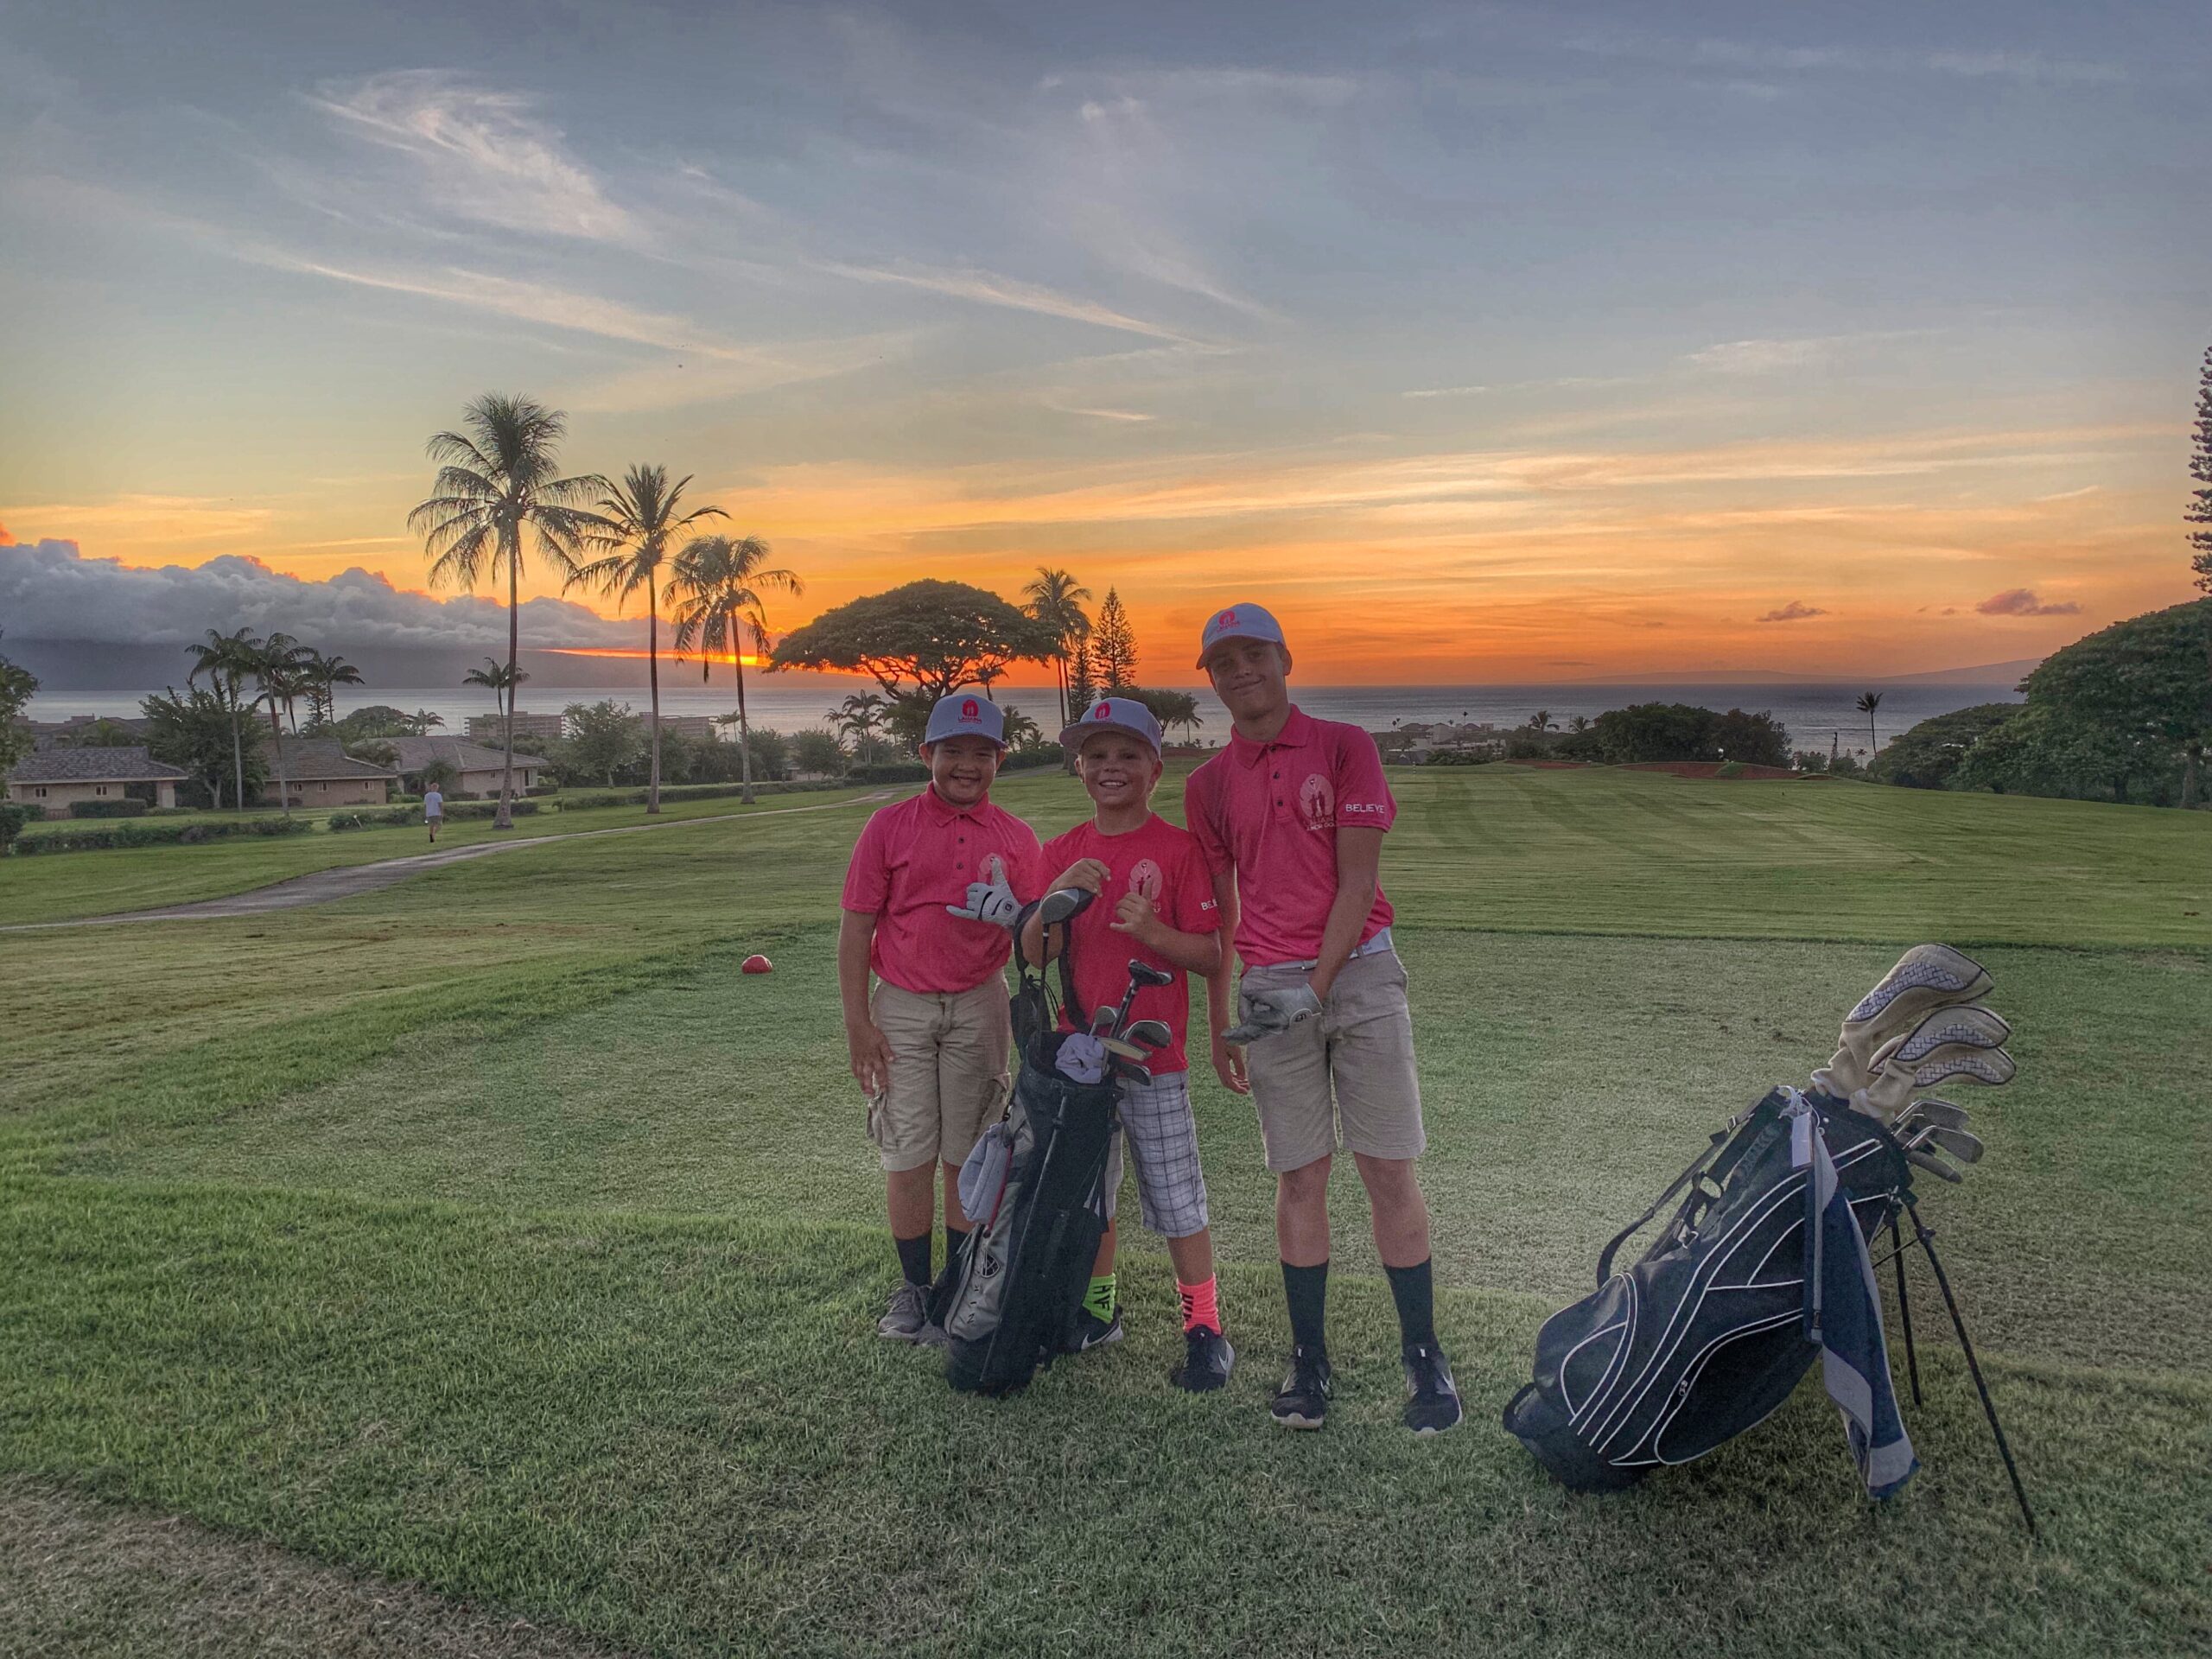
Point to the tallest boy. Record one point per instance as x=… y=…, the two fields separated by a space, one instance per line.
x=1292 y=816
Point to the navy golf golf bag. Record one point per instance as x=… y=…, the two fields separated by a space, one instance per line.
x=1019 y=1284
x=1712 y=1328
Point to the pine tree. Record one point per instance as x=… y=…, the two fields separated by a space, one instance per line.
x=1083 y=691
x=1113 y=647
x=2200 y=468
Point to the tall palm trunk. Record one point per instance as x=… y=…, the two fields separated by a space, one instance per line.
x=504 y=819
x=238 y=751
x=744 y=735
x=652 y=680
x=283 y=783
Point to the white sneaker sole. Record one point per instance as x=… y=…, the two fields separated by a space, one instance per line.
x=1292 y=1419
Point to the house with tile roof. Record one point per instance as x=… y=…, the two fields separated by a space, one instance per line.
x=50 y=780
x=476 y=769
x=320 y=774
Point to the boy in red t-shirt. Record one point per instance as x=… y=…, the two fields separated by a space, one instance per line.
x=935 y=886
x=1155 y=902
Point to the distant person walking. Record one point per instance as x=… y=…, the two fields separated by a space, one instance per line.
x=434 y=810
x=1292 y=816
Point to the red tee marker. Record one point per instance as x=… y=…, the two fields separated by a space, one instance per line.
x=755 y=964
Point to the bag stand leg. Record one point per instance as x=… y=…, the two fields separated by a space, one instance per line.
x=1924 y=1236
x=1904 y=1310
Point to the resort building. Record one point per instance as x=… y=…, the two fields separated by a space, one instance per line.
x=491 y=729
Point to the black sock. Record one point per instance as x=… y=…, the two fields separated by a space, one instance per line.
x=914 y=1259
x=1415 y=1292
x=954 y=1238
x=1306 y=1289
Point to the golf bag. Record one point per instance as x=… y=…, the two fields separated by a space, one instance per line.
x=1713 y=1327
x=1020 y=1282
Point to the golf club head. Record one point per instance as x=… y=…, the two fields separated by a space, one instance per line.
x=1063 y=905
x=1153 y=1033
x=1134 y=1071
x=1972 y=1026
x=1145 y=974
x=1122 y=1049
x=1962 y=1144
x=1102 y=1021
x=1926 y=977
x=1935 y=1166
x=1938 y=1111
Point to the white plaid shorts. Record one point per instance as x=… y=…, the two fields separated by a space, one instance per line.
x=1163 y=1139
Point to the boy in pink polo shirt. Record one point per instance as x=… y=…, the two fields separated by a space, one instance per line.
x=930 y=898
x=1155 y=903
x=1292 y=814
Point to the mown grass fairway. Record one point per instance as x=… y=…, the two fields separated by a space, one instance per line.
x=492 y=1233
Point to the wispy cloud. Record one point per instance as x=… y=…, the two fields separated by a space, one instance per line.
x=2022 y=601
x=1762 y=58
x=1793 y=612
x=989 y=287
x=1104 y=414
x=483 y=155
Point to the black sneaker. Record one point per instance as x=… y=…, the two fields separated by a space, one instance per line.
x=1206 y=1359
x=1303 y=1400
x=1432 y=1400
x=1091 y=1331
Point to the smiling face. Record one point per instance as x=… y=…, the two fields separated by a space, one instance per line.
x=961 y=768
x=1251 y=678
x=1118 y=770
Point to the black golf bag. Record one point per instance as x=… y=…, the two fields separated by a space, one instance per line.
x=1706 y=1334
x=1019 y=1281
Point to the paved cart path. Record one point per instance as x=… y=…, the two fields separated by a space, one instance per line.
x=322 y=887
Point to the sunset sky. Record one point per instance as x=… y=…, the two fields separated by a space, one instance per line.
x=1484 y=343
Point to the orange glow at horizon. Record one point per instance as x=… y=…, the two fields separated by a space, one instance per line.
x=743 y=659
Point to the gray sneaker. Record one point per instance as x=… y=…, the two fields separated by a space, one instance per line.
x=908 y=1312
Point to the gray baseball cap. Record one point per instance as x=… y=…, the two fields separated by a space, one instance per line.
x=1123 y=715
x=1239 y=622
x=966 y=713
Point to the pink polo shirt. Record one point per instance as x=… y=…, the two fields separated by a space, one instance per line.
x=1270 y=812
x=914 y=859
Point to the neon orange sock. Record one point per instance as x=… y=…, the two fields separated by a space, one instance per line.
x=1201 y=1304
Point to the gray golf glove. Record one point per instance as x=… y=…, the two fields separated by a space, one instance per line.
x=991 y=900
x=1081 y=1059
x=1271 y=1011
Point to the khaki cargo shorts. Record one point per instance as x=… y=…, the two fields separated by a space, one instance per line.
x=1353 y=1066
x=949 y=1076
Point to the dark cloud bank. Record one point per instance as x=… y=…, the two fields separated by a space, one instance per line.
x=89 y=624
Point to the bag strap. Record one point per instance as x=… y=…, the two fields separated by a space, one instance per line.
x=1605 y=1257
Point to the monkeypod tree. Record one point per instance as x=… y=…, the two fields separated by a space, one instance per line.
x=920 y=641
x=1929 y=755
x=2144 y=685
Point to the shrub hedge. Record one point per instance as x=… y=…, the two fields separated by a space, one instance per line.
x=129 y=834
x=127 y=806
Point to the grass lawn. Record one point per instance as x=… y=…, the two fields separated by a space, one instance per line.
x=492 y=1235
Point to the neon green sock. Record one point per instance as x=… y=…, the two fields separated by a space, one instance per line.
x=1099 y=1298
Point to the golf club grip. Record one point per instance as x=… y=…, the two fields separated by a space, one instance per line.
x=1934 y=1166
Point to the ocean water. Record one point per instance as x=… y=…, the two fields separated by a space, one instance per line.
x=1812 y=712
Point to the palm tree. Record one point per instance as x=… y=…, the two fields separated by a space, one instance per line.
x=323 y=677
x=640 y=515
x=1055 y=598
x=422 y=722
x=495 y=480
x=280 y=667
x=859 y=717
x=1579 y=723
x=1868 y=702
x=227 y=659
x=495 y=678
x=1541 y=721
x=716 y=590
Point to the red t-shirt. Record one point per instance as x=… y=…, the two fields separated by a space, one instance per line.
x=1167 y=866
x=914 y=859
x=1270 y=812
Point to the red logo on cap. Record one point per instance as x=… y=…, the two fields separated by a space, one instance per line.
x=969 y=710
x=1103 y=711
x=1226 y=620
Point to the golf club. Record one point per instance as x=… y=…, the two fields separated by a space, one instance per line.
x=1939 y=1111
x=1934 y=1166
x=1063 y=905
x=1141 y=973
x=1962 y=1144
x=1153 y=1033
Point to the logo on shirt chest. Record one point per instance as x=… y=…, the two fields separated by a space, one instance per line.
x=1145 y=878
x=1317 y=802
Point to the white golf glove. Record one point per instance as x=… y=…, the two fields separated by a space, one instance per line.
x=990 y=900
x=1270 y=1012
